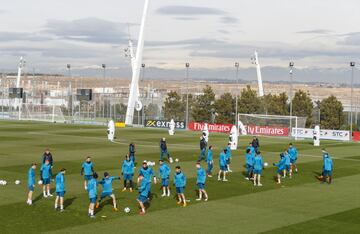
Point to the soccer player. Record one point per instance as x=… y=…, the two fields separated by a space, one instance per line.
x=127 y=171
x=223 y=166
x=202 y=148
x=132 y=152
x=31 y=183
x=164 y=172
x=210 y=162
x=293 y=157
x=200 y=181
x=143 y=194
x=92 y=190
x=249 y=158
x=258 y=166
x=252 y=149
x=87 y=169
x=228 y=157
x=281 y=166
x=147 y=172
x=180 y=183
x=107 y=191
x=287 y=164
x=45 y=175
x=328 y=167
x=60 y=189
x=164 y=150
x=255 y=143
x=47 y=156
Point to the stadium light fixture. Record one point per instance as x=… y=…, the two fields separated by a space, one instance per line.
x=352 y=65
x=236 y=96
x=291 y=67
x=187 y=65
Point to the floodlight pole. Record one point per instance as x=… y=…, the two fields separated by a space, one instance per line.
x=68 y=66
x=142 y=79
x=352 y=65
x=103 y=94
x=291 y=66
x=187 y=65
x=236 y=96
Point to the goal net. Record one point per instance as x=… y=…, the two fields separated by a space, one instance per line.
x=269 y=125
x=40 y=112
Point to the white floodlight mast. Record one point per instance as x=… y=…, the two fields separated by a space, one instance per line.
x=20 y=67
x=258 y=71
x=136 y=66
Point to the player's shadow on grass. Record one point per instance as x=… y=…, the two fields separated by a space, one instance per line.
x=36 y=199
x=317 y=175
x=69 y=201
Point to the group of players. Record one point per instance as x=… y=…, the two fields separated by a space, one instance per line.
x=254 y=167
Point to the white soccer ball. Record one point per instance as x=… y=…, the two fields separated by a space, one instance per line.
x=127 y=210
x=266 y=164
x=171 y=160
x=17 y=181
x=1 y=182
x=4 y=182
x=176 y=160
x=40 y=182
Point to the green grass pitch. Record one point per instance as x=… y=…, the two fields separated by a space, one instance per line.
x=299 y=205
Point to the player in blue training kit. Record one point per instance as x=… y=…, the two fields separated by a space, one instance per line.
x=210 y=161
x=92 y=190
x=203 y=146
x=328 y=167
x=281 y=166
x=287 y=164
x=200 y=181
x=87 y=170
x=164 y=172
x=107 y=191
x=45 y=175
x=258 y=167
x=293 y=153
x=164 y=150
x=132 y=152
x=60 y=189
x=228 y=157
x=251 y=148
x=223 y=166
x=143 y=194
x=127 y=171
x=249 y=158
x=31 y=183
x=180 y=183
x=147 y=172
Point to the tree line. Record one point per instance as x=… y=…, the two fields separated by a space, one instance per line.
x=207 y=108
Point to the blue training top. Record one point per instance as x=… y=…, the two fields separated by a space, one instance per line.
x=164 y=171
x=45 y=171
x=88 y=168
x=60 y=182
x=201 y=176
x=127 y=167
x=107 y=183
x=92 y=188
x=179 y=179
x=31 y=177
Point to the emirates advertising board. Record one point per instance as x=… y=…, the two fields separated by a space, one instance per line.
x=249 y=129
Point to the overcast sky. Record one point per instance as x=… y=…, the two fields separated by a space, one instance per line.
x=321 y=36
